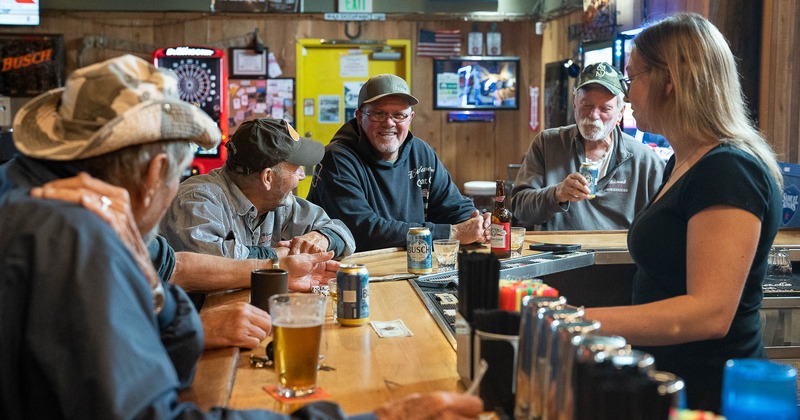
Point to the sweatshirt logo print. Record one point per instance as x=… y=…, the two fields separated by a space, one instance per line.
x=419 y=174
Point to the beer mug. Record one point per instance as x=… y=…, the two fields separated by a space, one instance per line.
x=297 y=333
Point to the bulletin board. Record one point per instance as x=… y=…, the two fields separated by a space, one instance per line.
x=251 y=98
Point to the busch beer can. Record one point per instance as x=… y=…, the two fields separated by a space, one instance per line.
x=352 y=306
x=418 y=250
x=590 y=170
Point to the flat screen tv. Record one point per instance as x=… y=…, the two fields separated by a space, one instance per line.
x=19 y=12
x=472 y=82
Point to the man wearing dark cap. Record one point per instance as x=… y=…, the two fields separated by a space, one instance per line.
x=381 y=180
x=551 y=194
x=246 y=209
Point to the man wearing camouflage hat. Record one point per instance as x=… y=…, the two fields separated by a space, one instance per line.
x=381 y=180
x=551 y=194
x=246 y=209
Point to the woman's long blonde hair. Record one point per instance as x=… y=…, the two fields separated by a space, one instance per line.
x=690 y=52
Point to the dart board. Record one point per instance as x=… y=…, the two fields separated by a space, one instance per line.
x=202 y=81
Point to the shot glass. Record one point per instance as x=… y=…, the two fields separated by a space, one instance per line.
x=517 y=241
x=297 y=320
x=333 y=292
x=446 y=251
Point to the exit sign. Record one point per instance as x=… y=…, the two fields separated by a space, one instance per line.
x=355 y=6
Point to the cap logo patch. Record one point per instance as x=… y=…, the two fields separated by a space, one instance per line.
x=292 y=132
x=600 y=71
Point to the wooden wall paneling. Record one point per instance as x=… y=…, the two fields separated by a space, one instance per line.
x=780 y=78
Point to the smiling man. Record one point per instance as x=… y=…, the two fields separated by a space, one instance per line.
x=380 y=179
x=551 y=194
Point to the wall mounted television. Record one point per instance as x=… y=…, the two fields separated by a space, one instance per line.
x=19 y=12
x=473 y=82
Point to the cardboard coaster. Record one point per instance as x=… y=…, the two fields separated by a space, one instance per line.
x=319 y=394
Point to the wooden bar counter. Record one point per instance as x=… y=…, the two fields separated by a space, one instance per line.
x=370 y=370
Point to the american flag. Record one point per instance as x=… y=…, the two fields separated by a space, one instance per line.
x=439 y=43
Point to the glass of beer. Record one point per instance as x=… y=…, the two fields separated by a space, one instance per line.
x=297 y=320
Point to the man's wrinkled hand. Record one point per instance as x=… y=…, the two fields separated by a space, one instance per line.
x=237 y=324
x=433 y=405
x=310 y=243
x=309 y=270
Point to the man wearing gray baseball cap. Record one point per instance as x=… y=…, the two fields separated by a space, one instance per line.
x=88 y=329
x=246 y=209
x=550 y=193
x=380 y=179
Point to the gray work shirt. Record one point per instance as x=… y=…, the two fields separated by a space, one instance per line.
x=633 y=177
x=211 y=215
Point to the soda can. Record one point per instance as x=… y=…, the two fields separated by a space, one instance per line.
x=590 y=170
x=419 y=250
x=352 y=306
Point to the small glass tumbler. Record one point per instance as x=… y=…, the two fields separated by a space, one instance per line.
x=333 y=292
x=446 y=251
x=778 y=263
x=517 y=241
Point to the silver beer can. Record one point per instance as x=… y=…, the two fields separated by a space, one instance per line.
x=419 y=250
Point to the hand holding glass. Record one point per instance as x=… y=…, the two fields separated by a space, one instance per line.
x=446 y=251
x=297 y=333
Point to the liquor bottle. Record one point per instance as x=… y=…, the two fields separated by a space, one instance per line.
x=501 y=223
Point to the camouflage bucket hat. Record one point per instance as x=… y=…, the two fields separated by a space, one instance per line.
x=603 y=74
x=108 y=106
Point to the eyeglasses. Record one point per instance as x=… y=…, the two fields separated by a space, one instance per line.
x=626 y=82
x=380 y=116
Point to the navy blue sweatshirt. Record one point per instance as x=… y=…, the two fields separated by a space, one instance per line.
x=380 y=200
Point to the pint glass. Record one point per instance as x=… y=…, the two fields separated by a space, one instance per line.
x=297 y=332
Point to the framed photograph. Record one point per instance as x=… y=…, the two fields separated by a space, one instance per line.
x=245 y=63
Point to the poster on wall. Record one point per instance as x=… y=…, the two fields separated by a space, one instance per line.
x=351 y=90
x=251 y=99
x=31 y=64
x=556 y=98
x=329 y=106
x=599 y=20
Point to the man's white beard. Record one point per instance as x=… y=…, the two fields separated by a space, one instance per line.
x=593 y=130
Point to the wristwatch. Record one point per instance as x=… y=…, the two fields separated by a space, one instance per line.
x=159 y=297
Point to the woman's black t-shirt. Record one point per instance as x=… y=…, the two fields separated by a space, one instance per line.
x=657 y=242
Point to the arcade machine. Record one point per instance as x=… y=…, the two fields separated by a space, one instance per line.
x=202 y=81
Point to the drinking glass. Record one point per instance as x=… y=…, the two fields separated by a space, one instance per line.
x=778 y=263
x=333 y=292
x=517 y=241
x=759 y=389
x=446 y=251
x=297 y=320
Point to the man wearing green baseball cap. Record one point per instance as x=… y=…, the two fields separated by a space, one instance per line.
x=550 y=193
x=380 y=179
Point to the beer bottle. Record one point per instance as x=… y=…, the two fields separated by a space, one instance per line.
x=501 y=223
